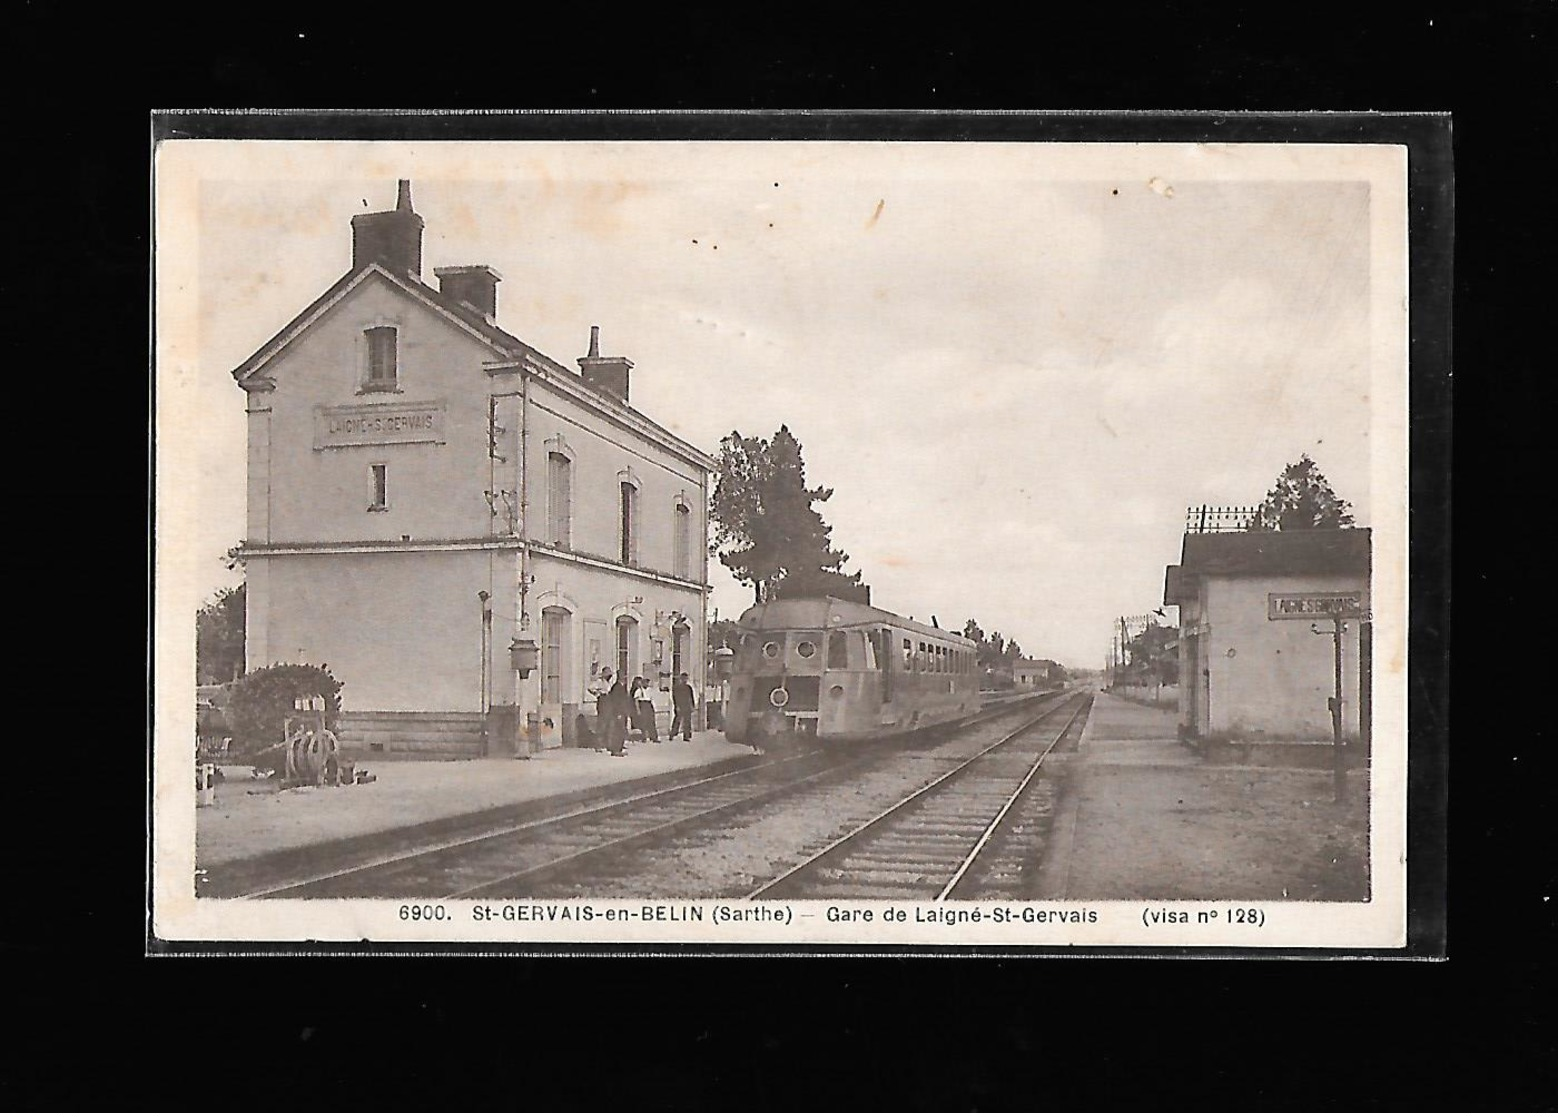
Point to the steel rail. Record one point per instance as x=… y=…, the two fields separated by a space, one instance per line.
x=827 y=850
x=670 y=825
x=410 y=855
x=1011 y=800
x=406 y=857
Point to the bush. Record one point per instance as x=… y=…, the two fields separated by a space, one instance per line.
x=263 y=699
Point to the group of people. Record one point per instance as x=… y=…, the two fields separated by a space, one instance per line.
x=619 y=705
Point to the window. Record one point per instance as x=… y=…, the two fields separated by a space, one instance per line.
x=629 y=522
x=678 y=645
x=378 y=473
x=908 y=656
x=771 y=650
x=559 y=500
x=873 y=650
x=838 y=654
x=554 y=624
x=919 y=659
x=682 y=561
x=627 y=629
x=383 y=359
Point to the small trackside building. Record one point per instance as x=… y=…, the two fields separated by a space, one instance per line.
x=1252 y=668
x=431 y=501
x=1030 y=674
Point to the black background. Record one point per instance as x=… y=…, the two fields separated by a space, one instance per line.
x=96 y=1024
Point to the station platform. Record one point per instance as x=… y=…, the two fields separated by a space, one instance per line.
x=254 y=820
x=1141 y=816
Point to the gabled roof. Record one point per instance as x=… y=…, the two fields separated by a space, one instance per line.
x=505 y=345
x=1243 y=553
x=503 y=342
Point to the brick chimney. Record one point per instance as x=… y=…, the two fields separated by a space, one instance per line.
x=476 y=285
x=609 y=374
x=392 y=239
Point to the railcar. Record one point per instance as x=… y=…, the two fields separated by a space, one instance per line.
x=839 y=671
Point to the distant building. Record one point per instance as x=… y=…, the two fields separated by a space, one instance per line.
x=427 y=491
x=1251 y=666
x=1030 y=673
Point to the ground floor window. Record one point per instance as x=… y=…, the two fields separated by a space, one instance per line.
x=554 y=639
x=627 y=630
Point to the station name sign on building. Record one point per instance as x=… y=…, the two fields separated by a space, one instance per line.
x=378 y=424
x=1314 y=606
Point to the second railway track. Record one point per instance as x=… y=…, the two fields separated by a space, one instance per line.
x=926 y=845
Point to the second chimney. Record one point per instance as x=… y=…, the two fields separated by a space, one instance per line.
x=476 y=285
x=609 y=374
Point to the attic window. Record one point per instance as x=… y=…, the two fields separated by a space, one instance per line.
x=383 y=359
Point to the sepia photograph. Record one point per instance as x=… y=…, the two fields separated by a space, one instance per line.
x=781 y=543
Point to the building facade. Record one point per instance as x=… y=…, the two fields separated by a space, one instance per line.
x=1029 y=674
x=1256 y=647
x=432 y=502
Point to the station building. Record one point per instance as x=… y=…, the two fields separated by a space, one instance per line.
x=1252 y=666
x=433 y=504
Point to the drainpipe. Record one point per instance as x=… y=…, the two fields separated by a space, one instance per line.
x=525 y=728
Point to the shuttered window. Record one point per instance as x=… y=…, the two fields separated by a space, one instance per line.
x=383 y=370
x=682 y=536
x=559 y=500
x=629 y=524
x=553 y=628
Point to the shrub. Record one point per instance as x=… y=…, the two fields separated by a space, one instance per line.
x=263 y=699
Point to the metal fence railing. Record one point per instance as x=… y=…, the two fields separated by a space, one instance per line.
x=1217 y=517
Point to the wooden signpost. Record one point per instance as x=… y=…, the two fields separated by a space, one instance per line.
x=1338 y=607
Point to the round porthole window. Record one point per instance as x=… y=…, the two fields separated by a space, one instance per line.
x=779 y=697
x=806 y=649
x=771 y=650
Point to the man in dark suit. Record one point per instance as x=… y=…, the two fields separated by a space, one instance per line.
x=617 y=703
x=682 y=705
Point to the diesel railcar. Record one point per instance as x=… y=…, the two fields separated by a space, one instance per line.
x=840 y=672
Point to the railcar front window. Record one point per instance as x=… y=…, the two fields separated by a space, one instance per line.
x=838 y=656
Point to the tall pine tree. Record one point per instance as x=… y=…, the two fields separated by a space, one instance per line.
x=1301 y=499
x=774 y=540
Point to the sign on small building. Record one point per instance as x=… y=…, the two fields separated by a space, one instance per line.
x=1314 y=606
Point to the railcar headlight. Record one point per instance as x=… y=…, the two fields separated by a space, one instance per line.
x=778 y=697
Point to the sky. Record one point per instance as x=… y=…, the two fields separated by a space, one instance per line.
x=1015 y=364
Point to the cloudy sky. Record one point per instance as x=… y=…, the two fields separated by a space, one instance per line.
x=1016 y=364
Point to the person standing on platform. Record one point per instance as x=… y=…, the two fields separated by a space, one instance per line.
x=644 y=710
x=682 y=703
x=600 y=690
x=617 y=700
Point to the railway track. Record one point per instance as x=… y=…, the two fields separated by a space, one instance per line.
x=926 y=845
x=514 y=861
